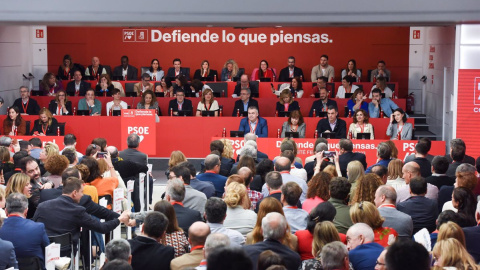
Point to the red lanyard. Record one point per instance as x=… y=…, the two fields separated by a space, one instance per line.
x=362 y=127
x=253 y=130
x=44 y=130
x=179 y=203
x=94 y=72
x=208 y=107
x=154 y=77
x=25 y=106
x=286 y=105
x=293 y=130
x=195 y=248
x=400 y=128
x=387 y=205
x=292 y=207
x=59 y=110
x=205 y=74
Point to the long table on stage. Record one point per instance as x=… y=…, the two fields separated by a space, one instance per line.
x=191 y=135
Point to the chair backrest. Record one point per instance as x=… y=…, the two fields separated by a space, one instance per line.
x=62 y=128
x=369 y=75
x=218 y=87
x=109 y=70
x=254 y=75
x=62 y=239
x=391 y=86
x=144 y=70
x=29 y=263
x=27 y=127
x=129 y=87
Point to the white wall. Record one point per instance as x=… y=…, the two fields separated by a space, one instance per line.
x=430 y=96
x=20 y=53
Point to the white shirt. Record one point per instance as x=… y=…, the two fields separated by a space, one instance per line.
x=341 y=91
x=388 y=92
x=123 y=104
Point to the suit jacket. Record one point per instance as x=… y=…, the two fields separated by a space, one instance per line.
x=84 y=86
x=32 y=106
x=253 y=89
x=444 y=195
x=225 y=166
x=318 y=106
x=210 y=77
x=290 y=258
x=204 y=186
x=183 y=71
x=452 y=168
x=472 y=239
x=300 y=129
x=261 y=130
x=439 y=181
x=51 y=129
x=133 y=155
x=239 y=106
x=407 y=129
x=292 y=107
x=63 y=215
x=346 y=157
x=285 y=74
x=217 y=180
x=364 y=256
x=424 y=212
x=128 y=169
x=138 y=88
x=29 y=238
x=401 y=222
x=53 y=105
x=187 y=106
x=7 y=255
x=186 y=216
x=101 y=70
x=187 y=260
x=132 y=72
x=317 y=72
x=340 y=128
x=467 y=159
x=149 y=254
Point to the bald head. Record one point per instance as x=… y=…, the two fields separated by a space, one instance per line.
x=113 y=151
x=246 y=174
x=385 y=195
x=282 y=164
x=410 y=170
x=197 y=233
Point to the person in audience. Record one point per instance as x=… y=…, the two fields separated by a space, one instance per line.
x=334 y=255
x=125 y=70
x=95 y=69
x=332 y=124
x=360 y=124
x=380 y=72
x=207 y=103
x=291 y=71
x=273 y=182
x=245 y=83
x=205 y=187
x=116 y=104
x=25 y=104
x=286 y=102
x=451 y=229
x=379 y=104
x=165 y=87
x=215 y=214
x=321 y=83
x=118 y=249
x=224 y=147
x=174 y=235
x=212 y=169
x=19 y=183
x=50 y=85
x=78 y=87
x=472 y=236
x=450 y=253
x=363 y=251
x=244 y=102
x=55 y=165
x=180 y=103
x=465 y=177
x=295 y=123
x=283 y=166
x=132 y=153
x=366 y=188
x=352 y=70
x=29 y=238
x=104 y=86
x=264 y=72
x=248 y=175
x=7 y=255
x=149 y=101
x=198 y=234
x=381 y=84
x=46 y=125
x=411 y=170
x=418 y=256
x=385 y=200
x=254 y=123
x=214 y=241
x=346 y=155
x=366 y=212
x=269 y=258
x=395 y=175
x=232 y=258
x=296 y=87
x=144 y=85
x=296 y=218
x=177 y=70
x=464 y=203
x=14 y=125
x=325 y=233
x=318 y=191
x=423 y=210
x=381 y=171
x=439 y=168
x=155 y=71
x=175 y=194
x=347 y=87
x=181 y=82
x=339 y=195
x=230 y=71
x=67 y=69
x=60 y=105
x=384 y=153
x=323 y=69
x=176 y=157
x=322 y=104
x=205 y=73
x=117 y=265
x=194 y=199
x=71 y=156
x=90 y=103
x=398 y=128
x=457 y=156
x=148 y=252
x=274 y=230
x=238 y=218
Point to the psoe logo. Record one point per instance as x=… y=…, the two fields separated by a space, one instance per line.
x=129 y=35
x=142 y=35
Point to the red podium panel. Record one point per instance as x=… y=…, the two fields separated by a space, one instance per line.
x=141 y=122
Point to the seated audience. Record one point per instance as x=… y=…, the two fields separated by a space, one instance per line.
x=118 y=249
x=332 y=124
x=238 y=218
x=104 y=87
x=295 y=123
x=380 y=72
x=78 y=87
x=205 y=73
x=395 y=175
x=385 y=200
x=244 y=102
x=322 y=104
x=50 y=85
x=365 y=188
x=291 y=71
x=264 y=72
x=14 y=125
x=232 y=258
x=286 y=103
x=25 y=104
x=207 y=103
x=215 y=214
x=230 y=71
x=144 y=85
x=450 y=253
x=180 y=103
x=379 y=104
x=347 y=87
x=155 y=71
x=398 y=128
x=178 y=70
x=352 y=70
x=61 y=105
x=419 y=258
x=175 y=194
x=296 y=218
x=46 y=125
x=439 y=169
x=317 y=192
x=323 y=69
x=198 y=233
x=363 y=251
x=174 y=235
x=125 y=71
x=381 y=84
x=116 y=104
x=412 y=170
x=68 y=67
x=90 y=103
x=324 y=234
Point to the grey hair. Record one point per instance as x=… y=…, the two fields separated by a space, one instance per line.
x=251 y=143
x=358 y=229
x=384 y=151
x=321 y=147
x=250 y=137
x=249 y=151
x=176 y=189
x=211 y=161
x=333 y=255
x=5 y=141
x=465 y=168
x=133 y=140
x=274 y=226
x=247 y=89
x=389 y=193
x=16 y=203
x=216 y=240
x=118 y=249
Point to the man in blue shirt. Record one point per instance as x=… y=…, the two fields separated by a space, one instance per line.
x=384 y=152
x=380 y=104
x=363 y=252
x=254 y=123
x=212 y=168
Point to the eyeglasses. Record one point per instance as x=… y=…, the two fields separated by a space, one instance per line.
x=61 y=95
x=379 y=263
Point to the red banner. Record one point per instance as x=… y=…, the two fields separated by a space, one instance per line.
x=271 y=147
x=468 y=109
x=141 y=122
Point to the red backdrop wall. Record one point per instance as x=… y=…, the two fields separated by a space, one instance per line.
x=366 y=45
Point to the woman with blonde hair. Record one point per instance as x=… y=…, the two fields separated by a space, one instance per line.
x=46 y=125
x=395 y=174
x=19 y=183
x=176 y=157
x=451 y=230
x=286 y=103
x=230 y=71
x=366 y=187
x=246 y=203
x=355 y=170
x=450 y=253
x=367 y=212
x=269 y=205
x=227 y=149
x=324 y=233
x=238 y=218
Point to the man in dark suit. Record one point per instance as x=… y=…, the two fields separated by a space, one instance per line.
x=274 y=182
x=95 y=69
x=421 y=151
x=332 y=124
x=177 y=70
x=472 y=237
x=126 y=70
x=226 y=163
x=439 y=168
x=175 y=194
x=180 y=103
x=77 y=87
x=126 y=168
x=7 y=255
x=26 y=104
x=212 y=168
x=291 y=71
x=65 y=215
x=29 y=238
x=245 y=83
x=457 y=155
x=274 y=227
x=458 y=143
x=322 y=104
x=346 y=155
x=254 y=123
x=147 y=250
x=244 y=102
x=132 y=153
